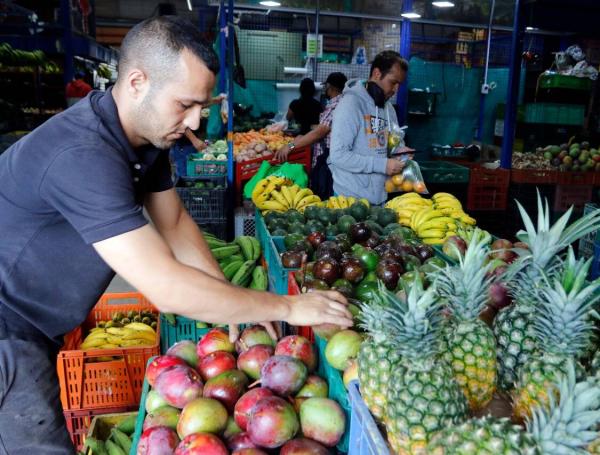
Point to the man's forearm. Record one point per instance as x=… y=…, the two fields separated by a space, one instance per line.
x=189 y=247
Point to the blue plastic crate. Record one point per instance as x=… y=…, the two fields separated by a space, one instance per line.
x=337 y=390
x=587 y=243
x=184 y=329
x=365 y=436
x=278 y=274
x=262 y=233
x=595 y=269
x=139 y=423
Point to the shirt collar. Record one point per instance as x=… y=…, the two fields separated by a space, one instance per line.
x=110 y=116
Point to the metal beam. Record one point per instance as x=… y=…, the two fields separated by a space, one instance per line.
x=484 y=85
x=512 y=97
x=405 y=41
x=230 y=65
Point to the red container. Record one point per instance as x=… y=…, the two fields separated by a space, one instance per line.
x=488 y=189
x=533 y=176
x=245 y=170
x=104 y=378
x=575 y=178
x=294 y=289
x=572 y=195
x=78 y=422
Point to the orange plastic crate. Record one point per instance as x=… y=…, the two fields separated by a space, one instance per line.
x=294 y=289
x=78 y=422
x=103 y=378
x=533 y=176
x=576 y=178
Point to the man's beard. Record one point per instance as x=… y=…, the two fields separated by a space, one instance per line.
x=146 y=118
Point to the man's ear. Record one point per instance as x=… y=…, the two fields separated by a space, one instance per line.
x=376 y=74
x=137 y=83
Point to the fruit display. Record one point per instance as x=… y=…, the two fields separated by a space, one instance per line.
x=112 y=437
x=434 y=220
x=132 y=329
x=344 y=202
x=430 y=362
x=398 y=182
x=257 y=144
x=202 y=401
x=238 y=261
x=278 y=194
x=574 y=156
x=330 y=220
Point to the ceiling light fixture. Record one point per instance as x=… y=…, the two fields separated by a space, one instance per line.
x=530 y=29
x=410 y=15
x=270 y=3
x=189 y=4
x=443 y=4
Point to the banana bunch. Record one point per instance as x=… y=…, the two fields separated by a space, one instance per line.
x=343 y=202
x=469 y=233
x=406 y=205
x=279 y=195
x=237 y=261
x=132 y=334
x=449 y=205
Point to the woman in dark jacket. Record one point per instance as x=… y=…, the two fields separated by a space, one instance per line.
x=305 y=110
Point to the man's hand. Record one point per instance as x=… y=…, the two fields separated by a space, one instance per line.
x=319 y=307
x=394 y=166
x=234 y=331
x=282 y=154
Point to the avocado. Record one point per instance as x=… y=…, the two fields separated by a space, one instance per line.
x=269 y=217
x=314 y=226
x=278 y=223
x=291 y=239
x=311 y=212
x=374 y=226
x=344 y=223
x=387 y=216
x=294 y=216
x=296 y=228
x=279 y=232
x=331 y=230
x=359 y=211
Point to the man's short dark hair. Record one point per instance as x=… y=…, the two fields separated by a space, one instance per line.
x=384 y=61
x=337 y=80
x=307 y=88
x=156 y=43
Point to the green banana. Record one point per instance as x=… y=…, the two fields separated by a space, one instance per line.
x=114 y=449
x=243 y=273
x=122 y=439
x=246 y=246
x=255 y=248
x=225 y=251
x=260 y=281
x=214 y=242
x=228 y=260
x=231 y=269
x=95 y=445
x=127 y=425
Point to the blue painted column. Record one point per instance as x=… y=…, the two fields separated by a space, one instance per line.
x=230 y=64
x=512 y=97
x=222 y=48
x=480 y=123
x=67 y=40
x=402 y=95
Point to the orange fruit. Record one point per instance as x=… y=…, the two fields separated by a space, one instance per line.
x=419 y=187
x=407 y=186
x=397 y=179
x=389 y=186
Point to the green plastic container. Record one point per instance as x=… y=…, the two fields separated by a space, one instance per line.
x=139 y=423
x=337 y=390
x=560 y=81
x=184 y=329
x=197 y=167
x=443 y=172
x=555 y=114
x=262 y=233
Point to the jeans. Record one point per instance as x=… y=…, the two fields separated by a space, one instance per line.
x=31 y=417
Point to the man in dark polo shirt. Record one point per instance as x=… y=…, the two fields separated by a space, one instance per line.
x=71 y=198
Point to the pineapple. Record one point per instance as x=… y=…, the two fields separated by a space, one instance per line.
x=376 y=358
x=564 y=327
x=469 y=344
x=513 y=326
x=422 y=394
x=566 y=427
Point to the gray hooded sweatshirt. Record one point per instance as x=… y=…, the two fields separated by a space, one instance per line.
x=358 y=151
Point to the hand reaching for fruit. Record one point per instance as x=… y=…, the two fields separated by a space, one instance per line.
x=319 y=307
x=394 y=166
x=234 y=331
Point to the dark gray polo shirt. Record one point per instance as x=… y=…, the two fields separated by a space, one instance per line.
x=71 y=182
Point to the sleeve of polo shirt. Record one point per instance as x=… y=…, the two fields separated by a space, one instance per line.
x=159 y=175
x=93 y=189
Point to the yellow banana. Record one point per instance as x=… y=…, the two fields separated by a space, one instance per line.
x=419 y=217
x=410 y=196
x=435 y=223
x=455 y=206
x=107 y=346
x=293 y=191
x=93 y=343
x=140 y=326
x=259 y=188
x=365 y=201
x=433 y=233
x=450 y=234
x=405 y=213
x=140 y=335
x=432 y=213
x=301 y=194
x=137 y=342
x=468 y=220
x=334 y=202
x=279 y=198
x=289 y=199
x=405 y=221
x=441 y=194
x=312 y=199
x=351 y=200
x=433 y=241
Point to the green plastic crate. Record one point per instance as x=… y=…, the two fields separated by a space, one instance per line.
x=560 y=81
x=197 y=167
x=443 y=172
x=139 y=423
x=184 y=329
x=555 y=114
x=262 y=233
x=337 y=390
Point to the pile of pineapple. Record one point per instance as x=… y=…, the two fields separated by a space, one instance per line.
x=430 y=364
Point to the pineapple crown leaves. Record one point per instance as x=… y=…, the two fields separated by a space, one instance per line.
x=563 y=322
x=546 y=241
x=568 y=425
x=464 y=287
x=416 y=324
x=374 y=315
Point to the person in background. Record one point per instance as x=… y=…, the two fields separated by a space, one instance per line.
x=321 y=181
x=306 y=109
x=358 y=156
x=77 y=89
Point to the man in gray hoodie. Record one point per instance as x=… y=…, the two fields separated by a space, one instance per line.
x=359 y=133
